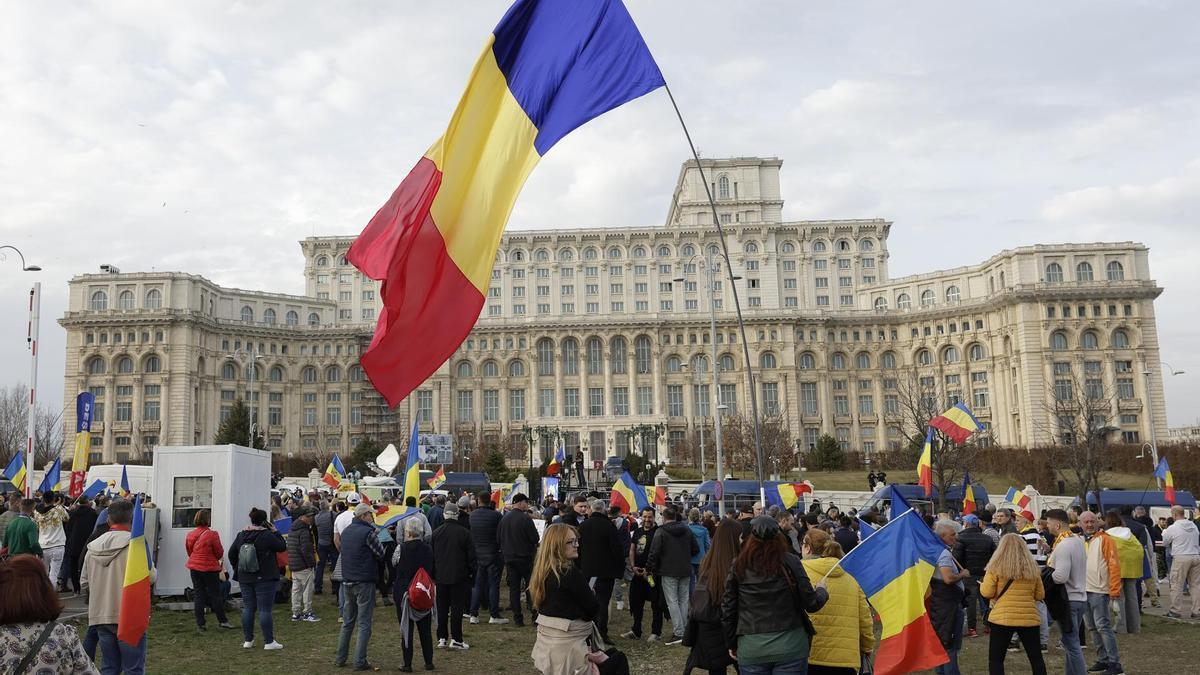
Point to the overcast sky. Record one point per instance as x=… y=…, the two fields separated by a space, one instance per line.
x=209 y=137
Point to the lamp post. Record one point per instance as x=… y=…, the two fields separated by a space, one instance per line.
x=35 y=311
x=1150 y=414
x=251 y=359
x=712 y=268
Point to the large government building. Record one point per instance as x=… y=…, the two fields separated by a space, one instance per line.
x=602 y=334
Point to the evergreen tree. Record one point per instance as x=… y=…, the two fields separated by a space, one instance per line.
x=828 y=455
x=236 y=428
x=366 y=451
x=496 y=468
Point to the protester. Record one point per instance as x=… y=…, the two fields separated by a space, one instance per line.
x=327 y=553
x=566 y=605
x=670 y=562
x=744 y=516
x=302 y=561
x=787 y=525
x=624 y=527
x=1026 y=524
x=948 y=595
x=205 y=556
x=485 y=528
x=641 y=587
x=580 y=510
x=253 y=558
x=437 y=512
x=1103 y=590
x=49 y=516
x=410 y=556
x=600 y=560
x=1182 y=544
x=1013 y=585
x=79 y=528
x=518 y=544
x=103 y=579
x=703 y=540
x=704 y=633
x=1068 y=562
x=973 y=549
x=29 y=612
x=845 y=630
x=12 y=508
x=453 y=563
x=360 y=556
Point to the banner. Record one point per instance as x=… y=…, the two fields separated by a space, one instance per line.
x=435 y=448
x=85 y=403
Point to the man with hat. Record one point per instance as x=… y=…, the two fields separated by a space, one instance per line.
x=518 y=539
x=453 y=567
x=302 y=561
x=359 y=560
x=973 y=549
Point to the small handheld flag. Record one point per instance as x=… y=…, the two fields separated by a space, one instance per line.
x=1163 y=473
x=957 y=423
x=124 y=481
x=15 y=471
x=134 y=616
x=52 y=481
x=925 y=465
x=412 y=470
x=1015 y=496
x=437 y=479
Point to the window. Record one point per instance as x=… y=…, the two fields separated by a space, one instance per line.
x=977 y=352
x=1124 y=388
x=124 y=365
x=767 y=361
x=723 y=187
x=924 y=358
x=464 y=369
x=903 y=301
x=466 y=405
x=545 y=355
x=641 y=351
x=516 y=369
x=570 y=356
x=1083 y=271
x=837 y=361
x=1120 y=339
x=425 y=406
x=153 y=299
x=189 y=496
x=596 y=401
x=950 y=355
x=248 y=314
x=927 y=298
x=99 y=301
x=619 y=355
x=314 y=319
x=1058 y=341
x=645 y=400
x=516 y=405
x=841 y=405
x=674 y=364
x=333 y=416
x=1116 y=272
x=952 y=294
x=1090 y=340
x=571 y=402
x=333 y=374
x=308 y=375
x=866 y=404
x=770 y=398
x=726 y=363
x=888 y=361
x=808 y=398
x=1054 y=273
x=150 y=411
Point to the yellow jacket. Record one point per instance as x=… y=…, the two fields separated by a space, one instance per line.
x=845 y=630
x=1017 y=608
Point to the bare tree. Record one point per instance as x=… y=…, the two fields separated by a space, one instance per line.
x=1078 y=423
x=14 y=426
x=48 y=435
x=779 y=448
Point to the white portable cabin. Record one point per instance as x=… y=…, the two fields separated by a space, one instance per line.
x=227 y=479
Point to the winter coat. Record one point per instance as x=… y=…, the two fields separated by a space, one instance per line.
x=704 y=633
x=974 y=550
x=266 y=544
x=1018 y=606
x=408 y=558
x=323 y=522
x=672 y=550
x=22 y=537
x=103 y=575
x=518 y=536
x=204 y=550
x=361 y=553
x=79 y=528
x=702 y=540
x=50 y=521
x=300 y=547
x=453 y=554
x=485 y=526
x=757 y=604
x=600 y=552
x=845 y=629
x=436 y=516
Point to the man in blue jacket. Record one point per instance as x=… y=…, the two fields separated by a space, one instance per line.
x=485 y=524
x=360 y=555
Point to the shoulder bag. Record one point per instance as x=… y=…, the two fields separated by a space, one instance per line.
x=37 y=647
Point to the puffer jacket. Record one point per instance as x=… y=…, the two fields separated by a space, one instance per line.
x=1018 y=606
x=204 y=550
x=300 y=555
x=974 y=549
x=757 y=604
x=845 y=629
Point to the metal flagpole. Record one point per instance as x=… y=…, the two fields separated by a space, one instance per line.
x=35 y=301
x=737 y=305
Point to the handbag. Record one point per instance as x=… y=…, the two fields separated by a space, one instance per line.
x=867 y=665
x=37 y=647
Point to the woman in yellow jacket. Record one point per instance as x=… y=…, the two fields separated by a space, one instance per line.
x=845 y=631
x=1013 y=585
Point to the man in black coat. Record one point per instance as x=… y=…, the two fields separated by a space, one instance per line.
x=973 y=550
x=79 y=527
x=485 y=528
x=518 y=544
x=670 y=562
x=845 y=534
x=601 y=559
x=453 y=567
x=579 y=511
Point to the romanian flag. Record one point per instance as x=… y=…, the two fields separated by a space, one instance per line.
x=1015 y=496
x=335 y=473
x=124 y=490
x=438 y=478
x=628 y=495
x=968 y=495
x=925 y=465
x=957 y=423
x=548 y=67
x=1163 y=473
x=501 y=493
x=893 y=566
x=52 y=481
x=783 y=495
x=557 y=462
x=15 y=471
x=134 y=618
x=412 y=469
x=389 y=514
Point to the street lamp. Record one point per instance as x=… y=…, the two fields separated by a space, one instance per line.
x=35 y=313
x=1150 y=414
x=251 y=358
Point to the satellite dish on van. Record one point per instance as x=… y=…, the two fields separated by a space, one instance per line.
x=389 y=459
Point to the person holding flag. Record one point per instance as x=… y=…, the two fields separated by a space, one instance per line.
x=124 y=488
x=335 y=473
x=925 y=465
x=106 y=565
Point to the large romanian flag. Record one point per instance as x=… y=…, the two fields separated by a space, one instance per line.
x=134 y=617
x=925 y=465
x=957 y=423
x=1163 y=473
x=628 y=495
x=548 y=67
x=893 y=566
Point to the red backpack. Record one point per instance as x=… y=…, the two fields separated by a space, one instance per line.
x=421 y=591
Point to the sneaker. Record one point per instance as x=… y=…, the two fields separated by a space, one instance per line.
x=297 y=617
x=365 y=666
x=1014 y=648
x=225 y=624
x=461 y=646
x=311 y=618
x=972 y=633
x=466 y=616
x=1173 y=615
x=272 y=646
x=474 y=620
x=1099 y=668
x=405 y=669
x=495 y=620
x=652 y=638
x=672 y=643
x=441 y=643
x=248 y=645
x=620 y=605
x=630 y=635
x=429 y=666
x=1045 y=648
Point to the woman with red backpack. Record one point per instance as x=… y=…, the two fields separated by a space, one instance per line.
x=413 y=591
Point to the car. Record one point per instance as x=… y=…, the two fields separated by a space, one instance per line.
x=1155 y=501
x=737 y=493
x=915 y=494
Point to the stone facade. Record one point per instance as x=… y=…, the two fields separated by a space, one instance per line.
x=596 y=331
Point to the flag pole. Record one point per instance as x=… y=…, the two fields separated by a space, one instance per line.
x=885 y=526
x=737 y=305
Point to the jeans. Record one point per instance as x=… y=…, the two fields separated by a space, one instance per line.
x=1072 y=653
x=258 y=596
x=975 y=602
x=955 y=646
x=1130 y=618
x=206 y=592
x=52 y=557
x=119 y=657
x=639 y=593
x=327 y=554
x=518 y=572
x=676 y=598
x=618 y=587
x=603 y=588
x=487 y=578
x=358 y=608
x=302 y=592
x=1100 y=624
x=451 y=604
x=1044 y=629
x=91 y=639
x=793 y=667
x=998 y=646
x=422 y=630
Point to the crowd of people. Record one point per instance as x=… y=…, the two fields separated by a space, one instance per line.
x=759 y=590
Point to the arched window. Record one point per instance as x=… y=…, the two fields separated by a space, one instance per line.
x=248 y=314
x=674 y=364
x=589 y=253
x=862 y=361
x=614 y=253
x=750 y=247
x=866 y=245
x=701 y=363
x=1083 y=271
x=723 y=187
x=314 y=319
x=727 y=363
x=545 y=356
x=1089 y=340
x=903 y=301
x=595 y=356
x=1058 y=340
x=464 y=369
x=977 y=352
x=807 y=361
x=542 y=255
x=308 y=375
x=96 y=366
x=229 y=371
x=888 y=360
x=344 y=261
x=153 y=364
x=518 y=256
x=927 y=298
x=788 y=247
x=276 y=374
x=269 y=316
x=641 y=354
x=819 y=246
x=620 y=355
x=1054 y=273
x=952 y=294
x=153 y=299
x=664 y=251
x=1001 y=279
x=639 y=251
x=491 y=369
x=292 y=318
x=322 y=261
x=713 y=249
x=1116 y=272
x=357 y=374
x=99 y=301
x=843 y=245
x=767 y=360
x=1120 y=339
x=124 y=365
x=924 y=358
x=570 y=356
x=950 y=355
x=881 y=304
x=837 y=361
x=257 y=373
x=566 y=255
x=689 y=250
x=516 y=368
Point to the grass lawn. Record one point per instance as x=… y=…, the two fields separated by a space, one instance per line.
x=175 y=647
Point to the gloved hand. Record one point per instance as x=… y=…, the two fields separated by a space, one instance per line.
x=1116 y=606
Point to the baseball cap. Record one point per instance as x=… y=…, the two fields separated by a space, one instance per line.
x=353 y=498
x=970 y=520
x=361 y=509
